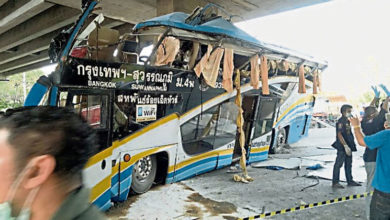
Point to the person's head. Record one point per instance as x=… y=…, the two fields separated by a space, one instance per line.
x=345 y=110
x=370 y=112
x=41 y=147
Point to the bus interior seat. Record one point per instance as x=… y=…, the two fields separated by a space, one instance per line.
x=129 y=51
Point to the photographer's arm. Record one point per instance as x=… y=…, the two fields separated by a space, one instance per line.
x=358 y=132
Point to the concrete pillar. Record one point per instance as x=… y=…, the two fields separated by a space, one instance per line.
x=169 y=6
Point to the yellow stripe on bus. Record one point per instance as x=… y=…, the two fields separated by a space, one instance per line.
x=144 y=130
x=300 y=101
x=100 y=188
x=260 y=149
x=201 y=157
x=136 y=157
x=99 y=157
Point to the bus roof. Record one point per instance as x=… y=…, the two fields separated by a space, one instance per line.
x=219 y=27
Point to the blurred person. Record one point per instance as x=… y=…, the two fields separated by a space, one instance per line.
x=373 y=122
x=345 y=145
x=42 y=154
x=380 y=202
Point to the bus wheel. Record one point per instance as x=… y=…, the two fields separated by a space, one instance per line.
x=280 y=141
x=144 y=173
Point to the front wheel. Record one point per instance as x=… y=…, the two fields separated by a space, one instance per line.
x=144 y=173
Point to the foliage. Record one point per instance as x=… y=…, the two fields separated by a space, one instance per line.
x=11 y=92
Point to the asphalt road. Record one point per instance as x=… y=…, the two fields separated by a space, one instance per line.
x=215 y=195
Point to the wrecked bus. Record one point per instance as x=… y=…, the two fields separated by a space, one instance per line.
x=171 y=113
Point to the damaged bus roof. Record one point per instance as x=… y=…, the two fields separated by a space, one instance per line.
x=222 y=31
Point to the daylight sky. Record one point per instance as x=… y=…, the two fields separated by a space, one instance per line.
x=352 y=35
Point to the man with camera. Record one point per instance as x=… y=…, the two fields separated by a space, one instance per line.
x=380 y=203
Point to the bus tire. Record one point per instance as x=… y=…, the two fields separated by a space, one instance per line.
x=144 y=173
x=281 y=140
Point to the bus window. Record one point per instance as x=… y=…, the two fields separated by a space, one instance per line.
x=227 y=127
x=265 y=117
x=92 y=108
x=283 y=90
x=198 y=133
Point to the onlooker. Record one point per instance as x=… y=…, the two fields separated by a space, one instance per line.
x=344 y=144
x=372 y=123
x=42 y=153
x=380 y=203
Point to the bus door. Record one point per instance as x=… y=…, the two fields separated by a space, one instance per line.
x=95 y=107
x=262 y=128
x=249 y=107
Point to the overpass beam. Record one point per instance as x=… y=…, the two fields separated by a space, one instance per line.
x=23 y=62
x=169 y=6
x=18 y=11
x=54 y=18
x=25 y=68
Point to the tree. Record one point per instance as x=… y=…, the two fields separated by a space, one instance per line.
x=11 y=92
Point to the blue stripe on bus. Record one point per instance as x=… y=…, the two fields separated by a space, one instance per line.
x=35 y=95
x=224 y=160
x=77 y=28
x=202 y=168
x=296 y=110
x=258 y=156
x=103 y=202
x=125 y=183
x=114 y=187
x=196 y=168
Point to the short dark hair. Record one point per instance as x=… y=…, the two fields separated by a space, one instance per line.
x=48 y=130
x=344 y=108
x=368 y=111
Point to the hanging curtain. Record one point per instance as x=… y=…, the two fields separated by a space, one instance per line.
x=211 y=69
x=302 y=86
x=255 y=71
x=315 y=81
x=202 y=63
x=319 y=82
x=264 y=76
x=228 y=67
x=167 y=51
x=240 y=123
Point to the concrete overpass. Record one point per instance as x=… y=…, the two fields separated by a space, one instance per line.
x=27 y=26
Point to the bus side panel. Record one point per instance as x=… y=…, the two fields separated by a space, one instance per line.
x=295 y=131
x=300 y=124
x=115 y=183
x=259 y=148
x=35 y=95
x=292 y=116
x=97 y=177
x=124 y=180
x=308 y=125
x=225 y=157
x=195 y=165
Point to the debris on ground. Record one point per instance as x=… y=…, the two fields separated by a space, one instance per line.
x=315 y=167
x=274 y=168
x=291 y=163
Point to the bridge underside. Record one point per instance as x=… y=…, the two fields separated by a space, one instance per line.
x=27 y=26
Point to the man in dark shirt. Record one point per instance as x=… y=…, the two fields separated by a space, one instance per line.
x=344 y=144
x=372 y=123
x=43 y=151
